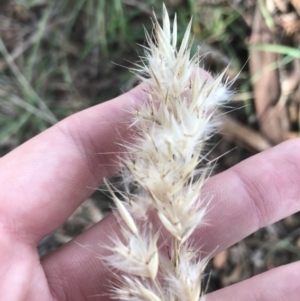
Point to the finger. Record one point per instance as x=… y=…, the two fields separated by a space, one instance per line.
x=276 y=285
x=75 y=271
x=44 y=180
x=256 y=192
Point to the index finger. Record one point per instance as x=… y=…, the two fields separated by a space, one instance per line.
x=45 y=180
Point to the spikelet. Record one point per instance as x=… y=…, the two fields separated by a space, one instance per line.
x=169 y=168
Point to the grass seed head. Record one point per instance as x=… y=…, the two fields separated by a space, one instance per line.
x=169 y=168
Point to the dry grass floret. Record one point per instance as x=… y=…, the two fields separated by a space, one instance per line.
x=169 y=168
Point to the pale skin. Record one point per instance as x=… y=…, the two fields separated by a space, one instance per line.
x=44 y=180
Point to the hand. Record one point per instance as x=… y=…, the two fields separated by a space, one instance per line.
x=47 y=178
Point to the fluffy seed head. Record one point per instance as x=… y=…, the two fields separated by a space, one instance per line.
x=169 y=168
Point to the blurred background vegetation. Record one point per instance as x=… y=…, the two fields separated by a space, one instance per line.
x=61 y=56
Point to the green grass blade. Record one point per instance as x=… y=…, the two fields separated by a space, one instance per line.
x=275 y=48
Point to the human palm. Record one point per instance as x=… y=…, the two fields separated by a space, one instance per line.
x=47 y=178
